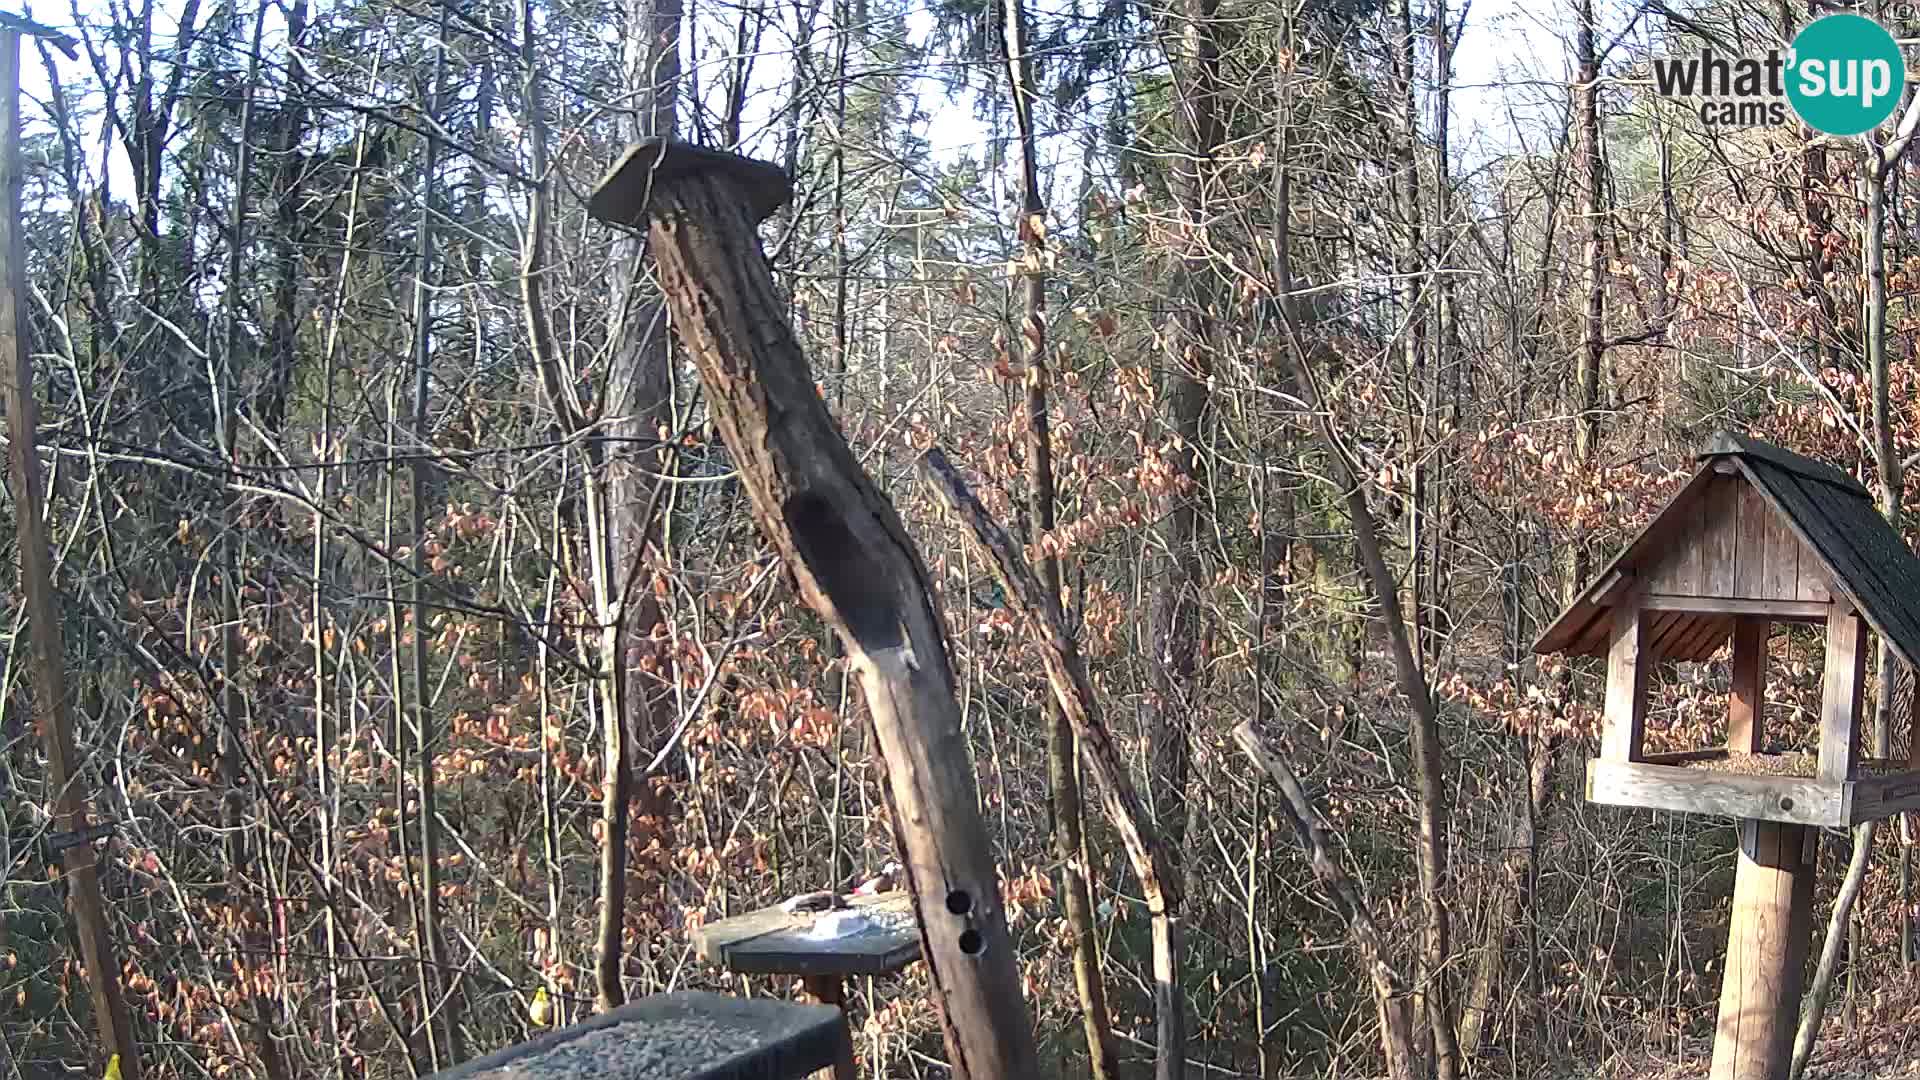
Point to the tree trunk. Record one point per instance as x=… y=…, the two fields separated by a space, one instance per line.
x=639 y=404
x=1195 y=57
x=52 y=706
x=1069 y=837
x=853 y=563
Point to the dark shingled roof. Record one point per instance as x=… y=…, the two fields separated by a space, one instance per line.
x=1831 y=513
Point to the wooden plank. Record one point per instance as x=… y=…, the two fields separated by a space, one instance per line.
x=1777 y=610
x=1719 y=541
x=1751 y=580
x=1663 y=630
x=1703 y=639
x=1783 y=556
x=1878 y=797
x=1766 y=951
x=832 y=990
x=1811 y=575
x=1628 y=663
x=1678 y=568
x=1746 y=702
x=1841 y=682
x=1794 y=799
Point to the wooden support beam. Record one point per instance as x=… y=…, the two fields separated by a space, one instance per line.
x=1747 y=701
x=1628 y=662
x=851 y=559
x=52 y=706
x=1792 y=799
x=1778 y=610
x=1766 y=952
x=832 y=990
x=1841 y=682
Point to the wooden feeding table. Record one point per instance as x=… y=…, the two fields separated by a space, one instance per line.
x=1757 y=536
x=683 y=1036
x=871 y=935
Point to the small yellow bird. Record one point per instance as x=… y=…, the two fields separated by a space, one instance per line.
x=113 y=1068
x=539 y=1010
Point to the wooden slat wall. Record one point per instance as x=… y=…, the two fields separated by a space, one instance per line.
x=1735 y=545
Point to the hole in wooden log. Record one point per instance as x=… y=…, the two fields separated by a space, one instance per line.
x=845 y=571
x=959 y=902
x=971 y=942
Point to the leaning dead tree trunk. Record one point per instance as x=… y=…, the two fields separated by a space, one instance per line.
x=1390 y=997
x=851 y=559
x=1039 y=605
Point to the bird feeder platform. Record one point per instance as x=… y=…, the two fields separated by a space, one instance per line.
x=882 y=937
x=688 y=1035
x=1757 y=536
x=773 y=941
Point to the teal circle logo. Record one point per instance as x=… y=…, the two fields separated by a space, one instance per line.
x=1846 y=74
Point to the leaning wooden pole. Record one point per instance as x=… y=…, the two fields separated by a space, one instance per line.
x=55 y=717
x=851 y=559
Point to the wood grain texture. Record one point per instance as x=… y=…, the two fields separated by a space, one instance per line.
x=1766 y=954
x=1876 y=798
x=1778 y=610
x=1746 y=701
x=1720 y=537
x=1791 y=799
x=1751 y=579
x=1628 y=663
x=1841 y=682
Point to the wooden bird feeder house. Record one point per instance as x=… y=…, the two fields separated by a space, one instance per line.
x=1757 y=536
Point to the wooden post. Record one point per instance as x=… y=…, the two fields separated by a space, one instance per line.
x=1746 y=705
x=1766 y=952
x=1841 y=682
x=53 y=715
x=851 y=559
x=1629 y=660
x=832 y=990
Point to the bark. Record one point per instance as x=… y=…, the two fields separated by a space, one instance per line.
x=422 y=483
x=1175 y=608
x=52 y=706
x=1073 y=696
x=1586 y=440
x=1069 y=837
x=853 y=564
x=639 y=404
x=235 y=718
x=290 y=233
x=1392 y=1002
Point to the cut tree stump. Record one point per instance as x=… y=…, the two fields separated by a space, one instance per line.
x=851 y=559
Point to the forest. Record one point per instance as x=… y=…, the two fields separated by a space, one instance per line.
x=423 y=659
